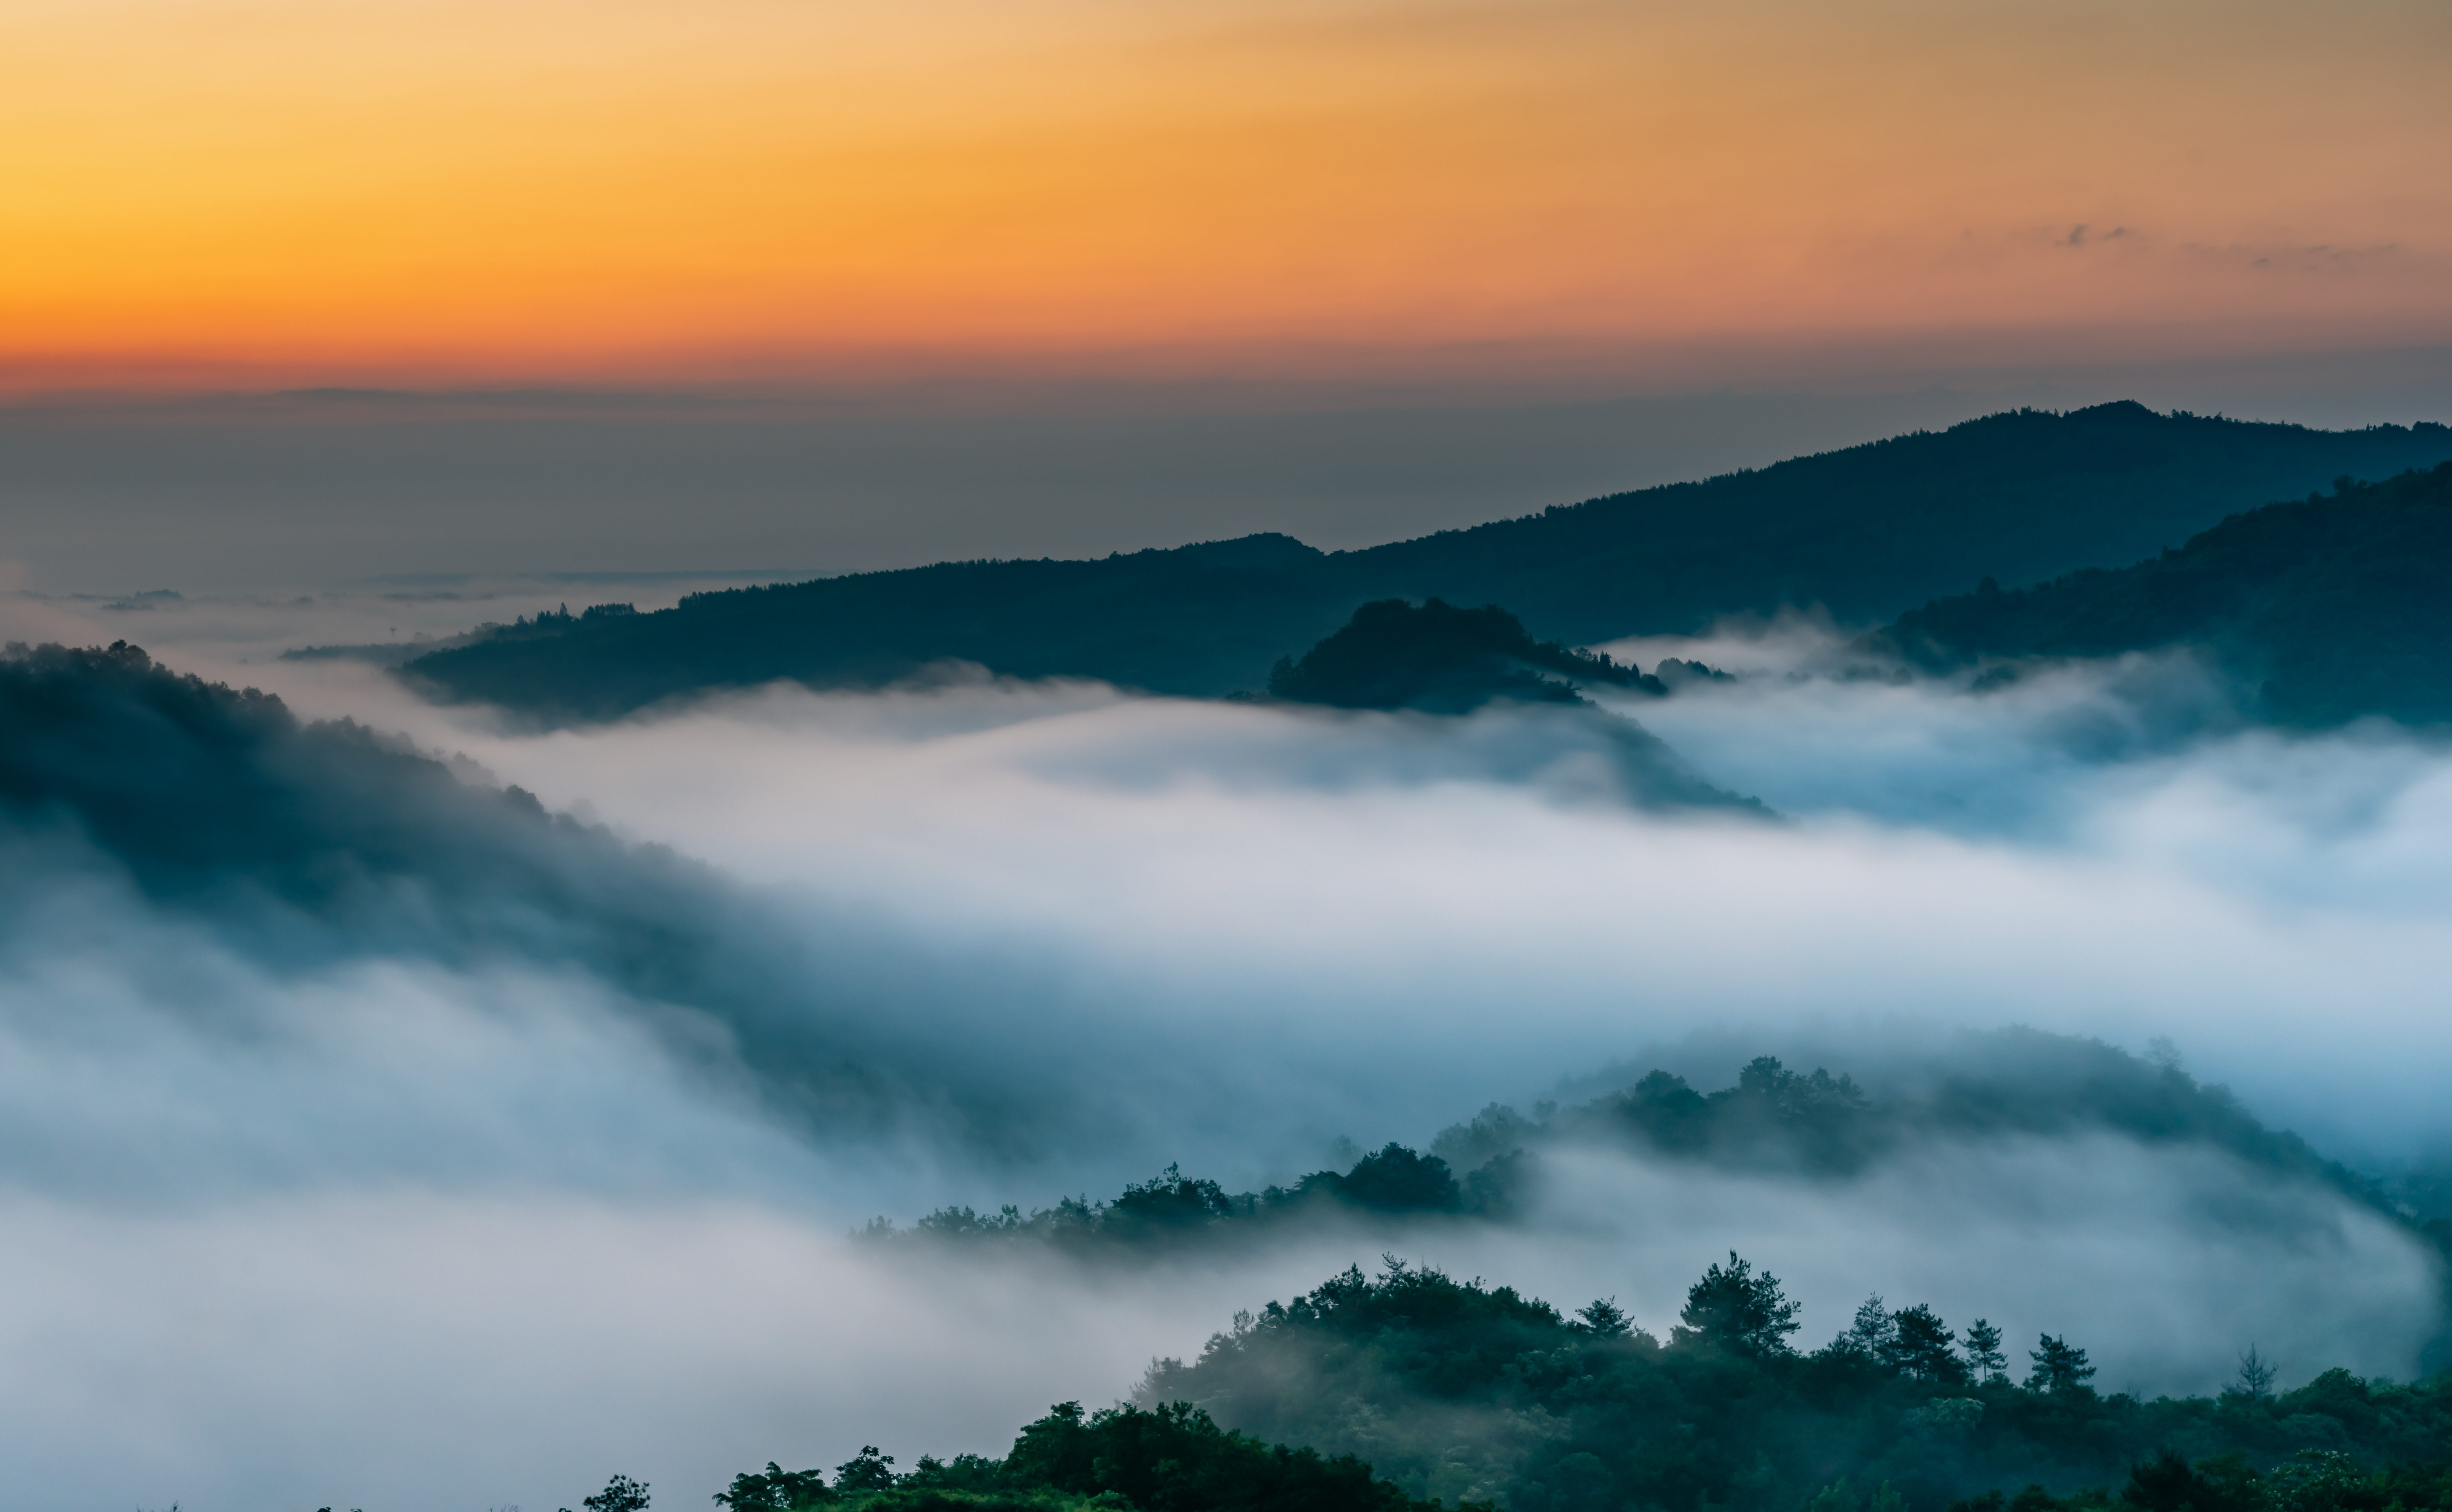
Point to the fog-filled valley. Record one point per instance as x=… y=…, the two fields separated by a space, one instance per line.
x=1289 y=756
x=418 y=1104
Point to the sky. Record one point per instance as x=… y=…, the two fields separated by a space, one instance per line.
x=433 y=287
x=412 y=191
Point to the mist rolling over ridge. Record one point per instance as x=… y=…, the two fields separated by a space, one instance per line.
x=564 y=1069
x=1303 y=756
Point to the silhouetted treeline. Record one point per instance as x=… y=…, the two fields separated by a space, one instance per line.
x=1410 y=1387
x=1173 y=1208
x=1868 y=532
x=2005 y=1082
x=1460 y=1390
x=2329 y=608
x=395 y=652
x=1437 y=658
x=2013 y=1081
x=1441 y=660
x=1998 y=1082
x=1815 y=1125
x=1168 y=1458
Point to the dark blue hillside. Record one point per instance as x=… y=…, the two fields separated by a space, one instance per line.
x=1868 y=532
x=2326 y=608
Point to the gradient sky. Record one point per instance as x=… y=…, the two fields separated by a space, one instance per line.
x=410 y=191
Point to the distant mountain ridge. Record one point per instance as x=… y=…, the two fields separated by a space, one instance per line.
x=1867 y=532
x=2329 y=608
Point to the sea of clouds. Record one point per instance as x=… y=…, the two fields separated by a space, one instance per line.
x=387 y=1232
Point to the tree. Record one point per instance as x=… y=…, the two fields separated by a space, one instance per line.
x=777 y=1490
x=1868 y=1336
x=1738 y=1309
x=2255 y=1376
x=1921 y=1346
x=2060 y=1366
x=865 y=1472
x=1173 y=1458
x=2165 y=1484
x=964 y=1472
x=1397 y=1180
x=1169 y=1200
x=621 y=1494
x=1984 y=1356
x=1605 y=1318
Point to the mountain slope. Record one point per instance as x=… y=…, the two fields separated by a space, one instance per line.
x=2330 y=607
x=1867 y=532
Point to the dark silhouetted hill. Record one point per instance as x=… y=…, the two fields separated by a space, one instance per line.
x=1438 y=659
x=301 y=845
x=1441 y=660
x=2331 y=608
x=1867 y=532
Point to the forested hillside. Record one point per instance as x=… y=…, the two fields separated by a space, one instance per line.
x=2327 y=608
x=304 y=845
x=1409 y=1389
x=1868 y=532
x=1442 y=659
x=1464 y=1389
x=1771 y=1118
x=1169 y=1458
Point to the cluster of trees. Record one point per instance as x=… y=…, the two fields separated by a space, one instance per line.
x=2007 y=1081
x=1455 y=1388
x=1867 y=532
x=2329 y=608
x=1169 y=1458
x=1442 y=659
x=1409 y=1386
x=1173 y=1208
x=1812 y=1123
x=2010 y=1081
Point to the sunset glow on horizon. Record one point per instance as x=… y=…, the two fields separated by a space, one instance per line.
x=436 y=190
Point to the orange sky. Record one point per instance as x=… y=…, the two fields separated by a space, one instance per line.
x=401 y=190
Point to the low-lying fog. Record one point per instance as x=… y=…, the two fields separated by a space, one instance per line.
x=383 y=1233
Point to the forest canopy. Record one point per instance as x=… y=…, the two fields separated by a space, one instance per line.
x=1772 y=1117
x=1408 y=1389
x=1459 y=1388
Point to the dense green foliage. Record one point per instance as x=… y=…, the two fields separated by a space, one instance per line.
x=1460 y=1390
x=1168 y=1458
x=1410 y=1385
x=2330 y=607
x=1867 y=531
x=1812 y=1125
x=1441 y=660
x=2014 y=1081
